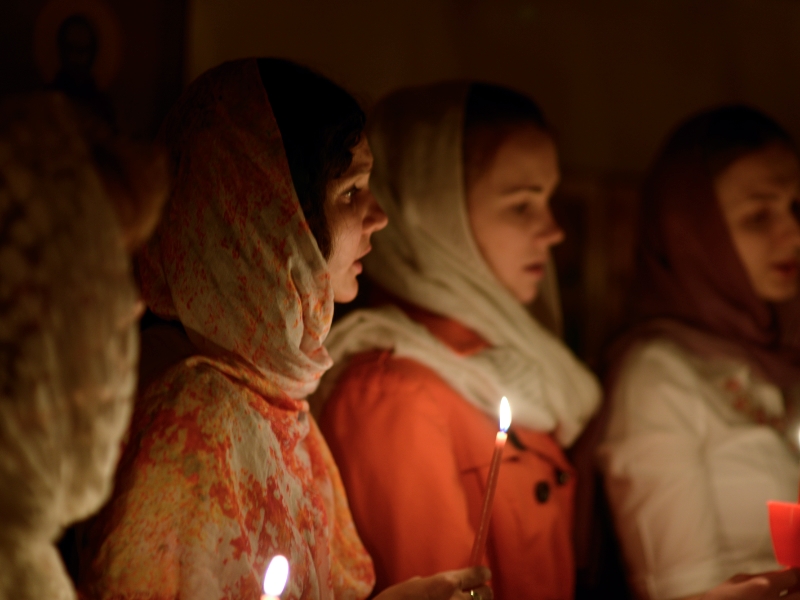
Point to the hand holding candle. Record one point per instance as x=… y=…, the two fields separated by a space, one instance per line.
x=491 y=482
x=276 y=577
x=784 y=525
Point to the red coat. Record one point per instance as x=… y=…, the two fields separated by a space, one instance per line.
x=414 y=456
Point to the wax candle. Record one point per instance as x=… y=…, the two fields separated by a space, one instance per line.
x=491 y=482
x=276 y=577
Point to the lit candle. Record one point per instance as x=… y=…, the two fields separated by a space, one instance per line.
x=276 y=577
x=491 y=482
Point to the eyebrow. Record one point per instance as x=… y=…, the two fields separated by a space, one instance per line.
x=363 y=168
x=537 y=189
x=763 y=196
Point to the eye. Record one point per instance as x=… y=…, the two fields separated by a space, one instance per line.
x=348 y=194
x=795 y=208
x=759 y=219
x=520 y=208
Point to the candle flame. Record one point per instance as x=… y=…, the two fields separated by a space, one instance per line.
x=798 y=437
x=505 y=414
x=277 y=576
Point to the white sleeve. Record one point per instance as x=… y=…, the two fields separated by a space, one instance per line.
x=656 y=477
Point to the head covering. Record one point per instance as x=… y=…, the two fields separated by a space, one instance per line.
x=427 y=256
x=691 y=285
x=233 y=258
x=68 y=340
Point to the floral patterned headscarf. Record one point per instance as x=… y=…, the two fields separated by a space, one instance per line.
x=233 y=258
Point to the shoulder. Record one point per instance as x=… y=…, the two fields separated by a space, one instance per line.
x=193 y=396
x=658 y=383
x=388 y=392
x=379 y=373
x=658 y=362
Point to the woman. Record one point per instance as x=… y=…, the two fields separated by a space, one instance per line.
x=73 y=203
x=702 y=428
x=269 y=215
x=465 y=173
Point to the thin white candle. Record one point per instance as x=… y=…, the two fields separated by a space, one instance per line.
x=491 y=482
x=798 y=445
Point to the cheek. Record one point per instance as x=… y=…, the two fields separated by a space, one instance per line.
x=345 y=237
x=754 y=250
x=502 y=244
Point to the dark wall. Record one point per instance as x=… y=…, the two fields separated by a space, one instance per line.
x=613 y=75
x=151 y=69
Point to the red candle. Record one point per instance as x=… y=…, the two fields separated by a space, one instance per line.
x=491 y=483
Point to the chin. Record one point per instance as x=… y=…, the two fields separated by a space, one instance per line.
x=780 y=293
x=345 y=294
x=526 y=296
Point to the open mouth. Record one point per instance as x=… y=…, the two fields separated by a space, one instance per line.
x=536 y=269
x=363 y=254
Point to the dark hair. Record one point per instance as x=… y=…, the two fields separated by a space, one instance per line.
x=720 y=136
x=494 y=110
x=320 y=123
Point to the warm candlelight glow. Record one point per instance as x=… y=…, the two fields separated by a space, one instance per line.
x=491 y=483
x=505 y=414
x=277 y=576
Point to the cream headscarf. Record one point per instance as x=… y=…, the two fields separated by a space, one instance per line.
x=68 y=341
x=427 y=256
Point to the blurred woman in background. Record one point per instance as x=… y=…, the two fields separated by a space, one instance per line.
x=704 y=388
x=74 y=201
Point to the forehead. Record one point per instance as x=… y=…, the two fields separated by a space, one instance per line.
x=774 y=168
x=362 y=159
x=524 y=154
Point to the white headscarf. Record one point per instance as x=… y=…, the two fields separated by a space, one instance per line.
x=428 y=257
x=68 y=341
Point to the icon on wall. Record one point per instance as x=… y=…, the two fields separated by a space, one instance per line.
x=78 y=48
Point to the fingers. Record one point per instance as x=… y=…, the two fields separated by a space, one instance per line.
x=483 y=592
x=467 y=579
x=774 y=584
x=777 y=581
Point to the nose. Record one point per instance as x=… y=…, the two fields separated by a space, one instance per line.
x=375 y=219
x=550 y=233
x=791 y=230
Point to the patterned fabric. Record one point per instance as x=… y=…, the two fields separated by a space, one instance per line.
x=225 y=467
x=68 y=341
x=234 y=260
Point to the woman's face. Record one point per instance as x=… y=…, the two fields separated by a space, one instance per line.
x=353 y=216
x=759 y=195
x=508 y=201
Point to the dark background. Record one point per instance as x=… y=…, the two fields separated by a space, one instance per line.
x=613 y=76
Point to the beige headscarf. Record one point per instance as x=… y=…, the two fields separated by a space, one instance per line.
x=68 y=341
x=428 y=257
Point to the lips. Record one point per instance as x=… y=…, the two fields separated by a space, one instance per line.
x=363 y=254
x=787 y=268
x=536 y=269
